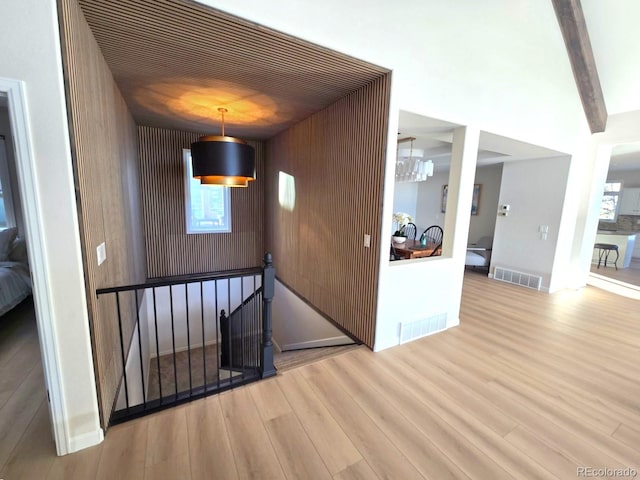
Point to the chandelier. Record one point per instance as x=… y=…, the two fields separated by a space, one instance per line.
x=410 y=165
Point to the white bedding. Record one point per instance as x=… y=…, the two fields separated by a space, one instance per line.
x=476 y=259
x=15 y=284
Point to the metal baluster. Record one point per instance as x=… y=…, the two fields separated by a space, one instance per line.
x=124 y=363
x=186 y=303
x=204 y=357
x=144 y=393
x=173 y=343
x=268 y=287
x=217 y=326
x=230 y=330
x=155 y=322
x=242 y=332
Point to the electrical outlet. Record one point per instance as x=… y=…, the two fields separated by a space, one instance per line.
x=102 y=253
x=367 y=240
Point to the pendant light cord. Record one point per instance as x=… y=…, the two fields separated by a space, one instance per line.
x=222 y=112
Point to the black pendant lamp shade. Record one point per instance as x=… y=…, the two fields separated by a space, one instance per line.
x=222 y=160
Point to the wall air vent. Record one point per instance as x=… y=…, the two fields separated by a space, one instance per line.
x=518 y=278
x=423 y=327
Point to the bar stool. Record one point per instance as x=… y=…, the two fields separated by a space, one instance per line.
x=604 y=249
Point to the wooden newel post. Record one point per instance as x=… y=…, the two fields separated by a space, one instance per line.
x=268 y=289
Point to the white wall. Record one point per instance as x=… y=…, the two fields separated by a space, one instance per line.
x=630 y=178
x=296 y=325
x=535 y=190
x=411 y=290
x=405 y=199
x=483 y=224
x=429 y=210
x=429 y=201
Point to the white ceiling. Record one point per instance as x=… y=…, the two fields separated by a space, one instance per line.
x=615 y=41
x=625 y=157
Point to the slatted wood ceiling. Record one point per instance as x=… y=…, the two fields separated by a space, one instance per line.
x=104 y=152
x=337 y=159
x=189 y=45
x=170 y=250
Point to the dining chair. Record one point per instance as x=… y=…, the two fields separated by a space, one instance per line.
x=411 y=230
x=433 y=234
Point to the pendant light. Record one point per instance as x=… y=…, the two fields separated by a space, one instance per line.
x=222 y=160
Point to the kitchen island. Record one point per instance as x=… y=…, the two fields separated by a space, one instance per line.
x=625 y=242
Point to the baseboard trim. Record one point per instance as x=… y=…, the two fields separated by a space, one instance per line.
x=85 y=440
x=323 y=342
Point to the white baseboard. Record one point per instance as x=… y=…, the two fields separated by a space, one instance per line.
x=323 y=342
x=392 y=342
x=453 y=323
x=85 y=440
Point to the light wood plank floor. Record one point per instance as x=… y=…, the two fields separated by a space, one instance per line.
x=530 y=386
x=629 y=275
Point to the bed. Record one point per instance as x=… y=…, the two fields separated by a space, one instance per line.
x=479 y=253
x=15 y=278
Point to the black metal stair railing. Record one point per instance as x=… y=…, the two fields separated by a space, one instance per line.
x=174 y=348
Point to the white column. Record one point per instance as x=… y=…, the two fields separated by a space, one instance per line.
x=464 y=155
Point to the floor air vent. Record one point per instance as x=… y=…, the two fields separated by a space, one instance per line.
x=518 y=278
x=420 y=328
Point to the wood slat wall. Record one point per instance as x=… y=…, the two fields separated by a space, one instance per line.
x=170 y=250
x=337 y=159
x=104 y=152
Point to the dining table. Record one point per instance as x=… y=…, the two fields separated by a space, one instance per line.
x=413 y=249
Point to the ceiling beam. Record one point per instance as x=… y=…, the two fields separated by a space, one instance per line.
x=576 y=38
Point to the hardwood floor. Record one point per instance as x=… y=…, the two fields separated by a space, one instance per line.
x=630 y=275
x=529 y=386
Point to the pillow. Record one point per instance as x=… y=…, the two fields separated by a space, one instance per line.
x=7 y=236
x=18 y=251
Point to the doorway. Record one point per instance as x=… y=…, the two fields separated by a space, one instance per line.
x=17 y=136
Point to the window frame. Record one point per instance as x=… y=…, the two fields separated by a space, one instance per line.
x=188 y=183
x=611 y=193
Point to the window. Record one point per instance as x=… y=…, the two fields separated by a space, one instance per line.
x=7 y=214
x=208 y=207
x=610 y=200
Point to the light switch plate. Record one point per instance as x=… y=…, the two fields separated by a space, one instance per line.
x=102 y=253
x=367 y=240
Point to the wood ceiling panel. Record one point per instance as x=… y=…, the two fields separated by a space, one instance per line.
x=176 y=62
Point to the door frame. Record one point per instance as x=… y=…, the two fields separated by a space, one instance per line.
x=29 y=196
